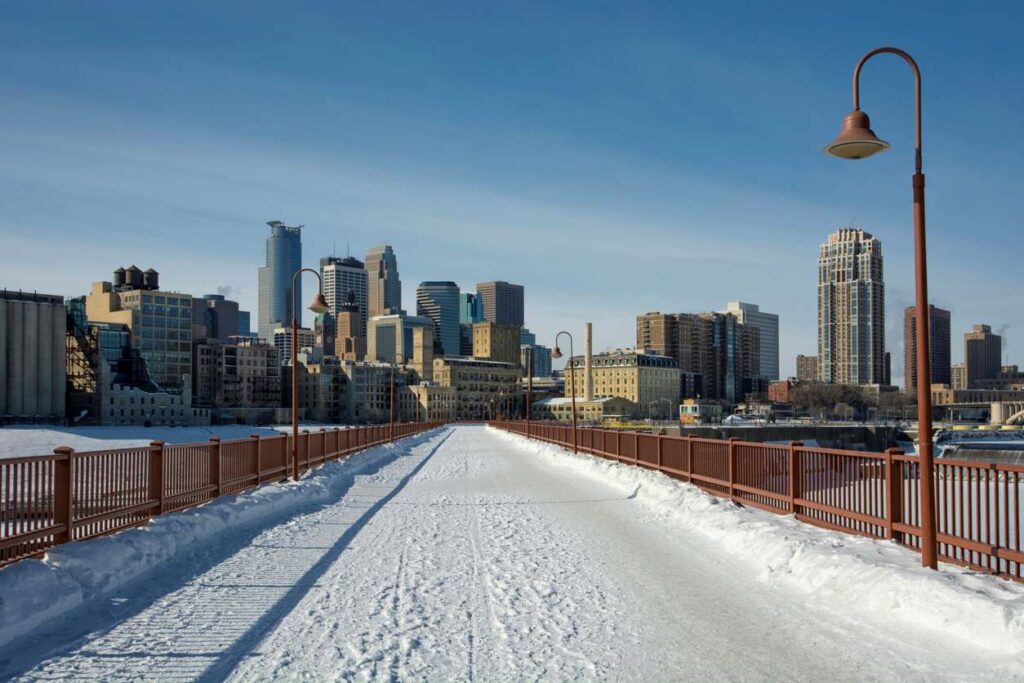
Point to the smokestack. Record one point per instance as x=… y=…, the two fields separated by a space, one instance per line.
x=588 y=371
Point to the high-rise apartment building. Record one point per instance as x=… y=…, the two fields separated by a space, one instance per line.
x=982 y=354
x=32 y=355
x=768 y=324
x=160 y=322
x=384 y=288
x=939 y=347
x=283 y=260
x=501 y=302
x=851 y=309
x=719 y=357
x=439 y=301
x=217 y=317
x=807 y=368
x=342 y=275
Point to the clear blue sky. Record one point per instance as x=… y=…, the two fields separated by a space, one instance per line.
x=614 y=158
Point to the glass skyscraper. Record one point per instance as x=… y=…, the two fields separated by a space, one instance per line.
x=439 y=301
x=284 y=258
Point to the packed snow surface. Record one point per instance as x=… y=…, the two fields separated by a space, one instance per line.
x=471 y=554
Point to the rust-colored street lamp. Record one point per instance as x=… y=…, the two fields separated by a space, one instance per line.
x=529 y=384
x=856 y=140
x=318 y=306
x=391 y=430
x=557 y=353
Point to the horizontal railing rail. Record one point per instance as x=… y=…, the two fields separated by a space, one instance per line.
x=48 y=500
x=878 y=495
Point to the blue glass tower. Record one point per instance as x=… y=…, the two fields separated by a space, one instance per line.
x=439 y=301
x=284 y=257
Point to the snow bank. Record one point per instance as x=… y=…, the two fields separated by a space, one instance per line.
x=837 y=572
x=21 y=440
x=33 y=592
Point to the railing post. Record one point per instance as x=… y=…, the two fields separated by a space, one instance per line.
x=793 y=466
x=156 y=477
x=215 y=466
x=305 y=436
x=661 y=440
x=63 y=504
x=636 y=448
x=689 y=457
x=893 y=493
x=732 y=464
x=259 y=458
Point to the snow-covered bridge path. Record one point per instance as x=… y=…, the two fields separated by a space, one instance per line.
x=469 y=557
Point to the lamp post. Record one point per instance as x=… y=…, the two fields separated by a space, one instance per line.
x=318 y=306
x=856 y=140
x=529 y=384
x=557 y=353
x=391 y=412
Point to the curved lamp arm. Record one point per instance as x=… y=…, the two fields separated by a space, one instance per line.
x=917 y=92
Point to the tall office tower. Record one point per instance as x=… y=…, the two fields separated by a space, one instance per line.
x=284 y=259
x=465 y=339
x=217 y=317
x=470 y=308
x=343 y=275
x=501 y=302
x=351 y=336
x=384 y=288
x=768 y=324
x=982 y=354
x=245 y=324
x=807 y=368
x=851 y=309
x=439 y=301
x=939 y=348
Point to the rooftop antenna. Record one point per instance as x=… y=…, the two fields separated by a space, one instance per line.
x=334 y=248
x=348 y=249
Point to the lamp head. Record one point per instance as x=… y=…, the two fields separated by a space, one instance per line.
x=319 y=304
x=856 y=140
x=557 y=353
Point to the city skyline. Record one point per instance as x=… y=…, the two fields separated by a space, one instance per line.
x=180 y=173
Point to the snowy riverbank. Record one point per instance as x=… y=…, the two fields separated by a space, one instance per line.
x=23 y=440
